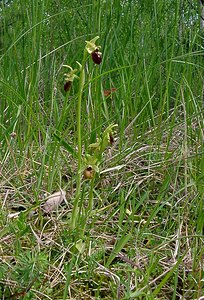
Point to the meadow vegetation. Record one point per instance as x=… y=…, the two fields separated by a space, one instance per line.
x=118 y=145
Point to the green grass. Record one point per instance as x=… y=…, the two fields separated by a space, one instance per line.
x=143 y=239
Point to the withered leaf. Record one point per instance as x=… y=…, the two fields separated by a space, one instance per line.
x=53 y=201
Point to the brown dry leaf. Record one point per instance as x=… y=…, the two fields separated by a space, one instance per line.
x=54 y=201
x=109 y=92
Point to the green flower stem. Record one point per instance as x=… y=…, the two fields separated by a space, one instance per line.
x=78 y=188
x=90 y=204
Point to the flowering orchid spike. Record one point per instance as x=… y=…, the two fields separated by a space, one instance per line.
x=69 y=77
x=91 y=46
x=94 y=50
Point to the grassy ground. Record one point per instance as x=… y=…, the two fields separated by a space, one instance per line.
x=138 y=230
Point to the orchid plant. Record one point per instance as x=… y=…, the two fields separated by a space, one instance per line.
x=90 y=163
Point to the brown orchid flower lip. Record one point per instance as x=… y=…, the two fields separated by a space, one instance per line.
x=96 y=56
x=88 y=173
x=111 y=139
x=67 y=86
